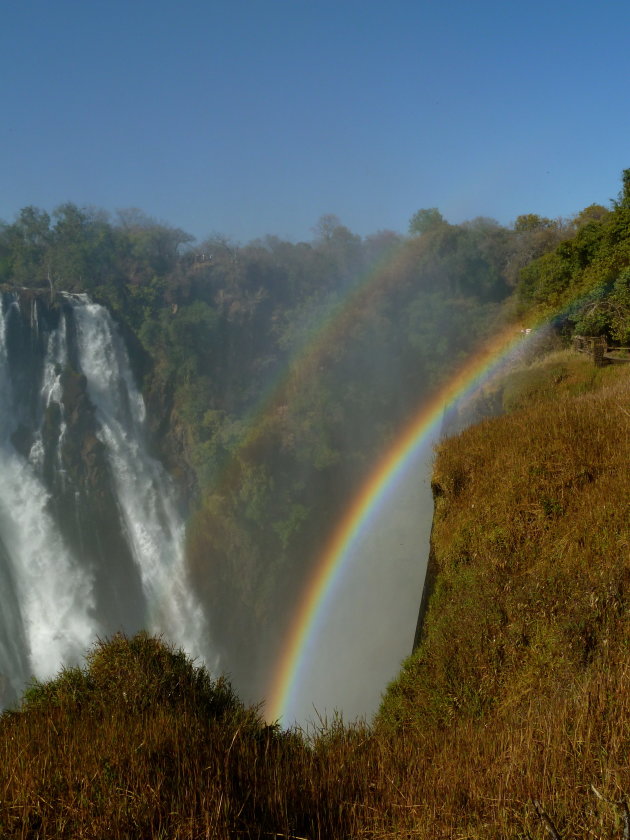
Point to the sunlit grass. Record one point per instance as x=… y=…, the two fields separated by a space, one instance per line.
x=519 y=691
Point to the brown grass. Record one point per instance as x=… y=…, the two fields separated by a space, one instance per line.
x=522 y=678
x=519 y=691
x=142 y=744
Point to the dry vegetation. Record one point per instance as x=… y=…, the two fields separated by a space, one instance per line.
x=520 y=690
x=143 y=744
x=521 y=684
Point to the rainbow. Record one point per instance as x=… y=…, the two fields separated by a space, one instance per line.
x=423 y=428
x=331 y=327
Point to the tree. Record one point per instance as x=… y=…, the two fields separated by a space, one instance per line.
x=532 y=221
x=623 y=200
x=424 y=220
x=381 y=244
x=339 y=248
x=82 y=252
x=28 y=242
x=326 y=226
x=592 y=213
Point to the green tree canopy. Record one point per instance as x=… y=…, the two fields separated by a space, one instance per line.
x=592 y=213
x=532 y=221
x=424 y=220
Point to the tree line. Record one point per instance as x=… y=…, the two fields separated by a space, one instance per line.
x=267 y=430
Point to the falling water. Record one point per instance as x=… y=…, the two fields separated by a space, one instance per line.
x=55 y=358
x=51 y=592
x=46 y=597
x=144 y=494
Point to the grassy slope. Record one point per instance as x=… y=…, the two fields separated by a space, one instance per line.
x=141 y=744
x=519 y=690
x=521 y=684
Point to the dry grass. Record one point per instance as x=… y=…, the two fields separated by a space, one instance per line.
x=520 y=690
x=522 y=679
x=142 y=744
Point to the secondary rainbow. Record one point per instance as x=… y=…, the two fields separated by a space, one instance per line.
x=423 y=427
x=327 y=331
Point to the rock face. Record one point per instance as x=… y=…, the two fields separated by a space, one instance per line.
x=90 y=538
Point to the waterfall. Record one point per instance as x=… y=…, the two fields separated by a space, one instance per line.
x=46 y=597
x=145 y=496
x=56 y=356
x=91 y=539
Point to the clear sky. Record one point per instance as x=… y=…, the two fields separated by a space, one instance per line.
x=248 y=117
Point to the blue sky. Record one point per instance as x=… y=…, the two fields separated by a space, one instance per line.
x=248 y=118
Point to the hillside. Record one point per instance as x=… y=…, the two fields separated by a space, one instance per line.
x=519 y=688
x=518 y=691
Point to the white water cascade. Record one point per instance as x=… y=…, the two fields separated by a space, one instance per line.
x=46 y=598
x=51 y=391
x=145 y=496
x=54 y=598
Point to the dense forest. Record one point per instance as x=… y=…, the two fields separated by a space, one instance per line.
x=275 y=373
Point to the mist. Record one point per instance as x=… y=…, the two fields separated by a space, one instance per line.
x=367 y=622
x=246 y=394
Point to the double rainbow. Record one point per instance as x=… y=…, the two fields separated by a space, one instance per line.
x=333 y=325
x=320 y=588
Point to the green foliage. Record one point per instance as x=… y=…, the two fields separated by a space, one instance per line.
x=592 y=213
x=270 y=430
x=624 y=196
x=190 y=336
x=620 y=308
x=25 y=244
x=582 y=279
x=546 y=280
x=274 y=373
x=425 y=220
x=532 y=221
x=590 y=315
x=289 y=526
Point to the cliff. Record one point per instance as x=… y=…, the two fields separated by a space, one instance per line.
x=518 y=691
x=519 y=684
